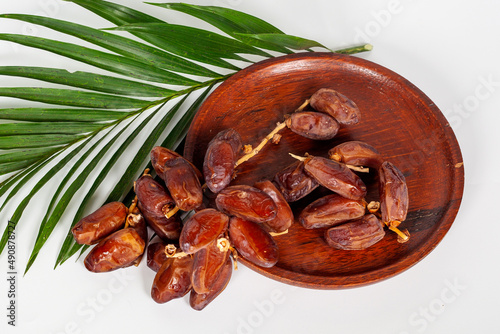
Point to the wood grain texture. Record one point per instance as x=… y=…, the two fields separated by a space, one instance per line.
x=397 y=119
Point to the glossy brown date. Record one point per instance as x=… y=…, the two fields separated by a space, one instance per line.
x=393 y=193
x=294 y=183
x=208 y=264
x=357 y=234
x=199 y=301
x=356 y=153
x=337 y=105
x=220 y=159
x=173 y=279
x=182 y=184
x=313 y=125
x=246 y=202
x=159 y=155
x=201 y=229
x=336 y=177
x=331 y=210
x=284 y=215
x=156 y=255
x=253 y=242
x=118 y=250
x=99 y=224
x=154 y=202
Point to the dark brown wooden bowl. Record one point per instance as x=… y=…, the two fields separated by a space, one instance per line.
x=397 y=119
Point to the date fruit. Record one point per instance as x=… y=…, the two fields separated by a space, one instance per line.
x=313 y=125
x=201 y=229
x=156 y=255
x=220 y=159
x=294 y=183
x=208 y=264
x=393 y=193
x=173 y=279
x=246 y=202
x=337 y=105
x=118 y=250
x=159 y=155
x=331 y=210
x=357 y=234
x=199 y=301
x=336 y=177
x=356 y=153
x=253 y=242
x=154 y=202
x=183 y=184
x=284 y=215
x=99 y=224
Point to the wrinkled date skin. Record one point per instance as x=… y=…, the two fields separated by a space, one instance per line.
x=337 y=105
x=173 y=279
x=356 y=153
x=313 y=125
x=183 y=184
x=201 y=229
x=99 y=224
x=199 y=301
x=393 y=193
x=246 y=202
x=159 y=155
x=118 y=250
x=331 y=210
x=220 y=159
x=284 y=215
x=336 y=177
x=357 y=234
x=156 y=255
x=294 y=183
x=208 y=264
x=154 y=201
x=253 y=242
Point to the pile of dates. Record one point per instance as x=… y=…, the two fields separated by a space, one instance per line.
x=199 y=237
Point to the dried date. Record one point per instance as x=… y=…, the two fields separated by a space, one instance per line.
x=246 y=202
x=208 y=264
x=253 y=242
x=336 y=177
x=118 y=250
x=313 y=125
x=294 y=183
x=201 y=229
x=154 y=202
x=356 y=153
x=331 y=210
x=393 y=193
x=156 y=255
x=99 y=224
x=183 y=184
x=357 y=234
x=337 y=105
x=173 y=279
x=220 y=159
x=159 y=155
x=199 y=301
x=284 y=215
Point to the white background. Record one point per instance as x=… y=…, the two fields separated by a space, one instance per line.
x=449 y=49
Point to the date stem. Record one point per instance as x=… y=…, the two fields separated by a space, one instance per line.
x=255 y=151
x=275 y=234
x=303 y=105
x=172 y=251
x=402 y=236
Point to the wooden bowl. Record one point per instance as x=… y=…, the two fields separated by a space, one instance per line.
x=397 y=119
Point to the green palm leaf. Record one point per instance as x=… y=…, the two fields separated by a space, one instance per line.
x=101 y=115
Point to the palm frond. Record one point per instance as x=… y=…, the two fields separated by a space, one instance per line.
x=100 y=115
